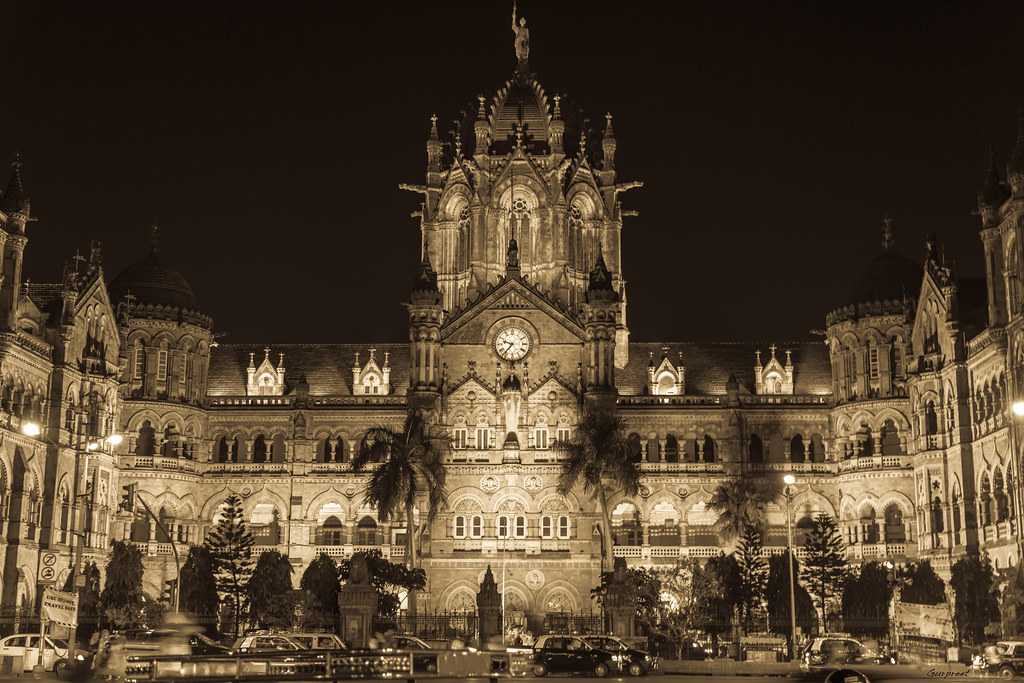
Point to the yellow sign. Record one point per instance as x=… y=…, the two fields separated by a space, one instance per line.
x=60 y=608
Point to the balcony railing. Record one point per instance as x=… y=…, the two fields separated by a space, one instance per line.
x=341 y=552
x=874 y=551
x=244 y=467
x=713 y=467
x=156 y=462
x=875 y=462
x=153 y=548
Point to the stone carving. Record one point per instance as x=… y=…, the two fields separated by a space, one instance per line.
x=489 y=484
x=359 y=575
x=533 y=483
x=535 y=579
x=522 y=41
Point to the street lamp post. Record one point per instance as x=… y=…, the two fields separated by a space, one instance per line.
x=790 y=481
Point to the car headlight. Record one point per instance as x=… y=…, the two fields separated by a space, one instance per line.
x=80 y=657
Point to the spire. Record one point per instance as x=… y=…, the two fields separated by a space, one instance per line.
x=1015 y=167
x=600 y=286
x=557 y=115
x=608 y=144
x=424 y=285
x=887 y=234
x=433 y=127
x=15 y=199
x=154 y=239
x=993 y=192
x=481 y=127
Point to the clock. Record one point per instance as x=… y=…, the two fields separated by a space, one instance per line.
x=512 y=343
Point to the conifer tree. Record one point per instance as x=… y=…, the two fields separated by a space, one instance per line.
x=199 y=586
x=753 y=571
x=824 y=567
x=230 y=545
x=270 y=591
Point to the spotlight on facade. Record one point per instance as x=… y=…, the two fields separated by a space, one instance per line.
x=92 y=446
x=115 y=439
x=30 y=429
x=789 y=480
x=1018 y=408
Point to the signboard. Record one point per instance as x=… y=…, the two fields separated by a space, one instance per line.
x=60 y=608
x=47 y=567
x=927 y=621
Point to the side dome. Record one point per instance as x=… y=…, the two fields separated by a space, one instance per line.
x=154 y=284
x=888 y=277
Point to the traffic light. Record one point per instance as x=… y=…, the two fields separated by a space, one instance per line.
x=170 y=586
x=127 y=498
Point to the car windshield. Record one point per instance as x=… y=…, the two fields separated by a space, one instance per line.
x=59 y=644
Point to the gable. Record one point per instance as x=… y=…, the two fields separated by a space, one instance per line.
x=930 y=333
x=470 y=325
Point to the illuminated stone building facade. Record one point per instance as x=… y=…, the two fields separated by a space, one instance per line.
x=896 y=421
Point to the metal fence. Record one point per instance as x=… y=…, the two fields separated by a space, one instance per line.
x=440 y=625
x=571 y=622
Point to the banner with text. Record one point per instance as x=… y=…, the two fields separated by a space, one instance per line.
x=927 y=621
x=60 y=607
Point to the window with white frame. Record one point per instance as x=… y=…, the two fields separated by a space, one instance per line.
x=546 y=527
x=540 y=436
x=483 y=437
x=161 y=365
x=563 y=526
x=564 y=434
x=184 y=371
x=459 y=437
x=873 y=360
x=477 y=529
x=459 y=530
x=140 y=362
x=503 y=527
x=520 y=526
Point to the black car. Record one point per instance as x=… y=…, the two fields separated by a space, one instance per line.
x=631 y=660
x=570 y=654
x=202 y=645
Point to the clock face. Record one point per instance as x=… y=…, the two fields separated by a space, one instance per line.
x=512 y=343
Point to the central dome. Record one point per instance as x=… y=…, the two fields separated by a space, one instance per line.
x=153 y=283
x=888 y=277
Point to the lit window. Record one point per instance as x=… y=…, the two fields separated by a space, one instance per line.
x=873 y=359
x=161 y=365
x=140 y=363
x=520 y=527
x=502 y=527
x=546 y=530
x=459 y=437
x=184 y=370
x=478 y=526
x=460 y=527
x=563 y=527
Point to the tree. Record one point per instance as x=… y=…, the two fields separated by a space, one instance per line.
x=976 y=598
x=921 y=585
x=412 y=464
x=824 y=568
x=122 y=600
x=741 y=502
x=599 y=457
x=777 y=594
x=645 y=585
x=199 y=586
x=269 y=591
x=230 y=546
x=1012 y=606
x=866 y=600
x=88 y=601
x=319 y=585
x=389 y=579
x=716 y=591
x=753 y=572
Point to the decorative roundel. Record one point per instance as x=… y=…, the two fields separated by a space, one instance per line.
x=535 y=579
x=350 y=491
x=533 y=483
x=471 y=395
x=489 y=484
x=464 y=215
x=512 y=343
x=575 y=212
x=683 y=492
x=552 y=395
x=519 y=205
x=645 y=492
x=246 y=492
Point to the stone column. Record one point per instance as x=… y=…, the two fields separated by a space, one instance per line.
x=620 y=603
x=357 y=605
x=488 y=606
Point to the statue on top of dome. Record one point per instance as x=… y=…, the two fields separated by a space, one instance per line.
x=522 y=42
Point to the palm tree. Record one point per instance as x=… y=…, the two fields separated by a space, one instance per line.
x=741 y=502
x=411 y=463
x=599 y=457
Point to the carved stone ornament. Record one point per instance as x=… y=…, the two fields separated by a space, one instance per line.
x=246 y=492
x=350 y=491
x=471 y=395
x=645 y=492
x=535 y=579
x=683 y=493
x=489 y=484
x=533 y=483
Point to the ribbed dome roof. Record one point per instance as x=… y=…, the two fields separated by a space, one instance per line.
x=520 y=102
x=889 y=276
x=153 y=283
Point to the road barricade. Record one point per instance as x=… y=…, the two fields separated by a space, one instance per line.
x=321 y=666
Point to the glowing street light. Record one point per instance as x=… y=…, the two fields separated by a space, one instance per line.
x=92 y=446
x=115 y=439
x=30 y=429
x=1018 y=408
x=789 y=480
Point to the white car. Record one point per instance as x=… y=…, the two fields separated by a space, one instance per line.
x=265 y=643
x=27 y=645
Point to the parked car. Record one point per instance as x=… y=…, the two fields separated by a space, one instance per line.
x=410 y=643
x=265 y=642
x=27 y=645
x=1005 y=658
x=631 y=660
x=204 y=645
x=317 y=641
x=832 y=650
x=570 y=654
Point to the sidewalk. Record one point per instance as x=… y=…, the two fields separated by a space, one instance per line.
x=727 y=667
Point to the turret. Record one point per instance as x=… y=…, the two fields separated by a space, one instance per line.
x=482 y=129
x=608 y=145
x=425 y=317
x=434 y=148
x=17 y=206
x=1015 y=166
x=599 y=318
x=556 y=130
x=992 y=194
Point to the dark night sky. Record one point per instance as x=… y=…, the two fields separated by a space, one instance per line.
x=268 y=139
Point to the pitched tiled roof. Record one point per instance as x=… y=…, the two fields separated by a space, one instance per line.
x=327 y=367
x=46 y=296
x=709 y=364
